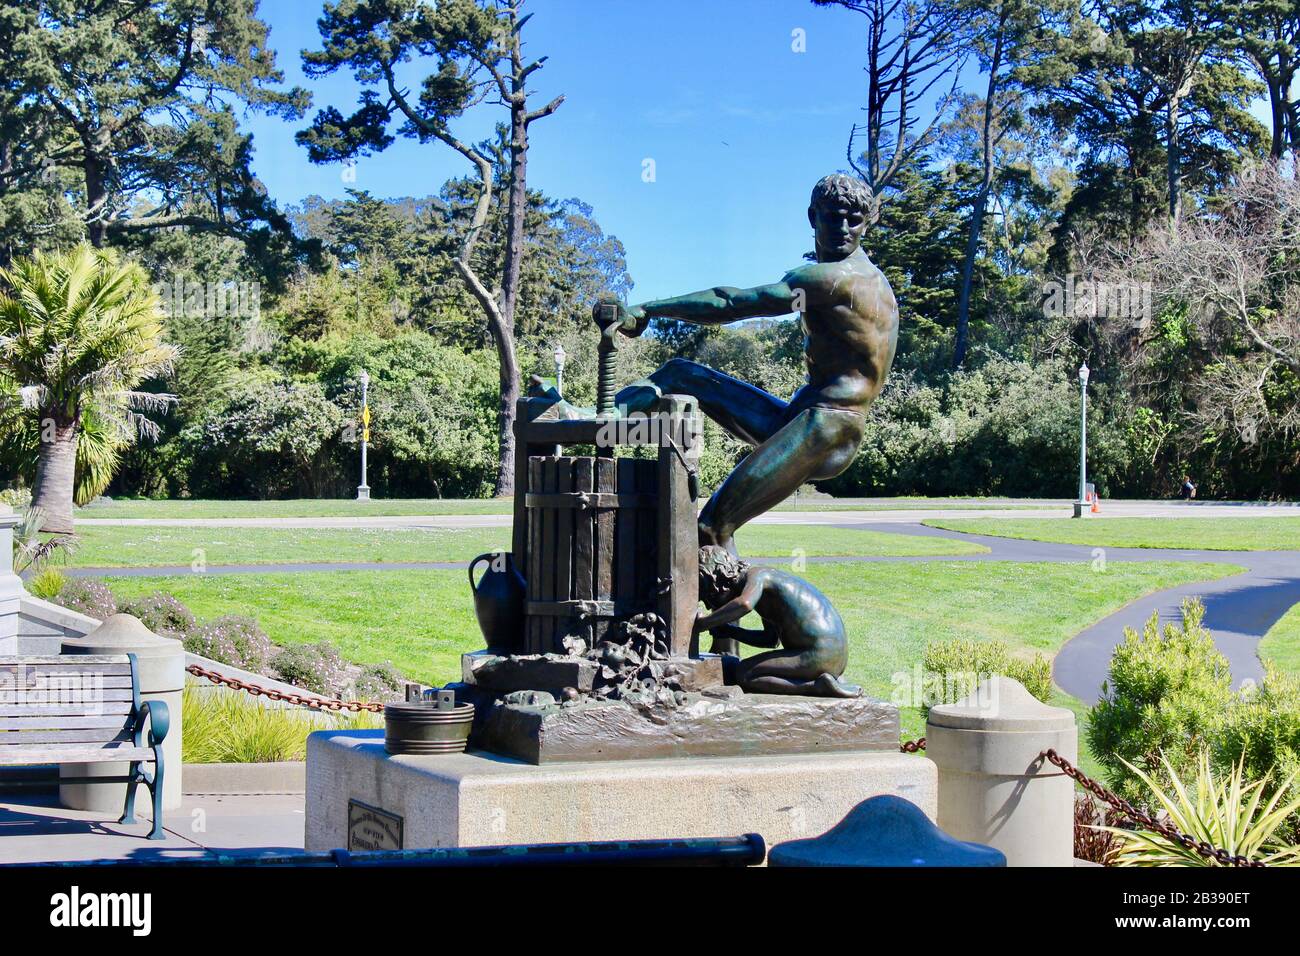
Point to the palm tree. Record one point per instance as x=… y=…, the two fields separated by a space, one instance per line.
x=79 y=331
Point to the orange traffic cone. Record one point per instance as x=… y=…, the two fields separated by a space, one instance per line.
x=1095 y=510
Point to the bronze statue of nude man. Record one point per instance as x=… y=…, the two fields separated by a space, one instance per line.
x=850 y=323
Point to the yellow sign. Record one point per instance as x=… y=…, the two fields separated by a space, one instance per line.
x=365 y=416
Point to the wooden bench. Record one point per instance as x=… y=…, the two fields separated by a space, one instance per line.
x=82 y=709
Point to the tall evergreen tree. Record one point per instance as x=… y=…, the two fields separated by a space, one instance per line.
x=142 y=99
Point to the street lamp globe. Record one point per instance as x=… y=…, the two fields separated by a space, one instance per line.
x=559 y=368
x=1083 y=373
x=365 y=378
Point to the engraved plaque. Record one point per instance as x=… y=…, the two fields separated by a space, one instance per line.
x=370 y=828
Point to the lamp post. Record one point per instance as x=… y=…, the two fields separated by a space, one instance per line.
x=559 y=369
x=1080 y=506
x=363 y=489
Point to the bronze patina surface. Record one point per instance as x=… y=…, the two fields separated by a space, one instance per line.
x=700 y=725
x=850 y=324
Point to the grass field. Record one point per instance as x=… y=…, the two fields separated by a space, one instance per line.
x=1209 y=534
x=1281 y=645
x=422 y=621
x=136 y=546
x=346 y=507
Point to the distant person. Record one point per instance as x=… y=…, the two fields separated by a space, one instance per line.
x=1188 y=490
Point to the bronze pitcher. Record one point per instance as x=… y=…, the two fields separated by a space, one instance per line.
x=499 y=602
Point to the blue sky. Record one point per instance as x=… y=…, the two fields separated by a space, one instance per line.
x=738 y=124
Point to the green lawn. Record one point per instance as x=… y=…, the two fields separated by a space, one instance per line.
x=1281 y=645
x=346 y=507
x=1210 y=534
x=137 y=546
x=422 y=621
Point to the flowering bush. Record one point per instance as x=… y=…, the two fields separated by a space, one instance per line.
x=379 y=682
x=315 y=667
x=233 y=640
x=161 y=613
x=88 y=596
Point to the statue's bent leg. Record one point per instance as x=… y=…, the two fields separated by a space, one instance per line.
x=749 y=413
x=791 y=672
x=816 y=444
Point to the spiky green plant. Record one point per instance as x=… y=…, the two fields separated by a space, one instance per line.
x=223 y=727
x=1231 y=814
x=32 y=551
x=79 y=332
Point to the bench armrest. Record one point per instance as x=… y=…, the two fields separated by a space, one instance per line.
x=159 y=718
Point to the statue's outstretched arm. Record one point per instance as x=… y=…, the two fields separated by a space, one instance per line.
x=722 y=304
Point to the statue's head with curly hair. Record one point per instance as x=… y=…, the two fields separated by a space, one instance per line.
x=722 y=575
x=839 y=213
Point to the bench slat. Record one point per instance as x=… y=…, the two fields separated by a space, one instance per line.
x=91 y=708
x=72 y=671
x=32 y=678
x=20 y=757
x=55 y=722
x=9 y=697
x=64 y=659
x=93 y=735
x=30 y=696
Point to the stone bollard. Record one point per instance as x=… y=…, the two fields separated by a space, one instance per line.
x=160 y=664
x=994 y=788
x=11 y=586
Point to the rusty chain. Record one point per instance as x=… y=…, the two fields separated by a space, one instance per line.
x=1145 y=820
x=1119 y=804
x=314 y=702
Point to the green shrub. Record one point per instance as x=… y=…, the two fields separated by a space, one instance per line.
x=1261 y=728
x=161 y=613
x=1002 y=428
x=1165 y=694
x=233 y=640
x=46 y=584
x=954 y=668
x=222 y=727
x=88 y=596
x=380 y=682
x=318 y=668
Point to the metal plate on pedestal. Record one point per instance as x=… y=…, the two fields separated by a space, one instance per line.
x=370 y=828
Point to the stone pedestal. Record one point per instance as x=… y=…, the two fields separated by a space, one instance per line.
x=478 y=799
x=11 y=587
x=994 y=787
x=160 y=671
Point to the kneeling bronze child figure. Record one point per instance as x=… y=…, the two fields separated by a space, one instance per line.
x=797 y=618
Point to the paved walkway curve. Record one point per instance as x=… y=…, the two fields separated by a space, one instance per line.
x=1239 y=609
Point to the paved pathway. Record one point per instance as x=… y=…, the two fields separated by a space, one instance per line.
x=1239 y=609
x=36 y=829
